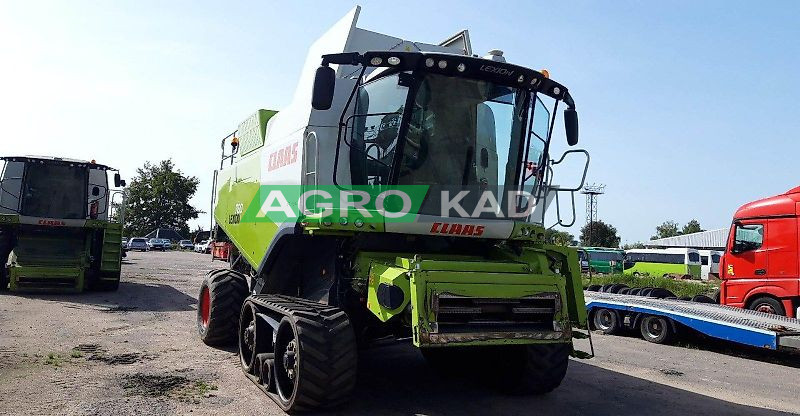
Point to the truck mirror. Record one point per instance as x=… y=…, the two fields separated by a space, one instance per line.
x=118 y=180
x=571 y=126
x=324 y=83
x=95 y=191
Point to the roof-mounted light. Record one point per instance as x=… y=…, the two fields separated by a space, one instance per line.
x=442 y=64
x=429 y=62
x=377 y=60
x=393 y=60
x=461 y=67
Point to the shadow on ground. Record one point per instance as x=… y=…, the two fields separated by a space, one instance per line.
x=130 y=297
x=396 y=381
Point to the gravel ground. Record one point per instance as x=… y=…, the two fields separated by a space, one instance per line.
x=135 y=352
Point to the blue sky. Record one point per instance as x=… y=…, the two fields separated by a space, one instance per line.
x=688 y=109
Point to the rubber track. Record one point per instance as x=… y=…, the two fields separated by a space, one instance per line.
x=228 y=290
x=328 y=363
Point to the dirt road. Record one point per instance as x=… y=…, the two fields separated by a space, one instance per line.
x=135 y=352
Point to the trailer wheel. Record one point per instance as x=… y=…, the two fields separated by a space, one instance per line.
x=593 y=288
x=606 y=321
x=635 y=291
x=767 y=305
x=657 y=329
x=218 y=307
x=605 y=288
x=645 y=291
x=624 y=291
x=542 y=369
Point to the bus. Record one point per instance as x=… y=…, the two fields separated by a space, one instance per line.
x=667 y=262
x=709 y=264
x=605 y=260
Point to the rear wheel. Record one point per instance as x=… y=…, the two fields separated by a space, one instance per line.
x=657 y=329
x=606 y=321
x=218 y=307
x=538 y=369
x=767 y=305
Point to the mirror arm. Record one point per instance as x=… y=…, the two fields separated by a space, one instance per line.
x=348 y=58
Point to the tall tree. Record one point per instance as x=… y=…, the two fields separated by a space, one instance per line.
x=632 y=246
x=667 y=229
x=599 y=234
x=559 y=238
x=692 y=226
x=158 y=196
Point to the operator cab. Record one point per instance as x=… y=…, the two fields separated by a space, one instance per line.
x=56 y=188
x=450 y=122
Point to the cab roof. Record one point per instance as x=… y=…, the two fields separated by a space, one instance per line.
x=774 y=206
x=54 y=159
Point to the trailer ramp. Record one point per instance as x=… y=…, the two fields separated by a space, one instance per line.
x=742 y=326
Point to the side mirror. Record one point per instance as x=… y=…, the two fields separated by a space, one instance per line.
x=571 y=126
x=324 y=83
x=118 y=180
x=95 y=191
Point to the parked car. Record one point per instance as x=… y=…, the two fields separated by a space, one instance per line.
x=138 y=244
x=185 y=245
x=159 y=244
x=202 y=247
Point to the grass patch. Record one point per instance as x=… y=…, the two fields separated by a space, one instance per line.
x=76 y=354
x=679 y=287
x=54 y=359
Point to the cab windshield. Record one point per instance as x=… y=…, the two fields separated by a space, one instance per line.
x=462 y=134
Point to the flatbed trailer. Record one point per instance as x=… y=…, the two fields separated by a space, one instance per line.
x=660 y=319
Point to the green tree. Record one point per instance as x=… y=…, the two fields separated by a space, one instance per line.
x=632 y=246
x=599 y=234
x=559 y=238
x=158 y=196
x=692 y=226
x=667 y=229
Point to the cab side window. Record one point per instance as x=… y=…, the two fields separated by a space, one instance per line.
x=748 y=237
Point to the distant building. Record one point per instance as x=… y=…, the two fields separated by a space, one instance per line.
x=704 y=240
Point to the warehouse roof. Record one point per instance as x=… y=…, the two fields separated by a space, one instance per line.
x=711 y=240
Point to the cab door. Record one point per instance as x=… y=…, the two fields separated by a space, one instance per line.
x=746 y=262
x=782 y=273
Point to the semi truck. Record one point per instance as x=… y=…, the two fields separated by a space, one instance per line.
x=401 y=195
x=60 y=225
x=759 y=270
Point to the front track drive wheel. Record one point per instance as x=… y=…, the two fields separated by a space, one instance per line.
x=218 y=307
x=315 y=361
x=541 y=370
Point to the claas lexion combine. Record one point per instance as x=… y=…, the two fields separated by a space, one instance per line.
x=466 y=277
x=60 y=225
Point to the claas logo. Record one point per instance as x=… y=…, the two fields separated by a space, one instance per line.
x=730 y=270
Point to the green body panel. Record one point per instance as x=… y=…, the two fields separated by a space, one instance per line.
x=499 y=275
x=58 y=261
x=237 y=187
x=111 y=258
x=251 y=132
x=660 y=269
x=46 y=279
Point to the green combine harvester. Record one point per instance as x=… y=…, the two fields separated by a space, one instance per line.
x=401 y=195
x=59 y=230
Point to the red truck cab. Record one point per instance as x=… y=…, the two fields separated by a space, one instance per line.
x=760 y=268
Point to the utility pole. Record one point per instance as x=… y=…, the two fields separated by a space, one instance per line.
x=592 y=191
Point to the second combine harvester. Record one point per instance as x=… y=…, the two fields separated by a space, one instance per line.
x=469 y=287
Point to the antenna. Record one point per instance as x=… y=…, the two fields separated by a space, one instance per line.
x=592 y=191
